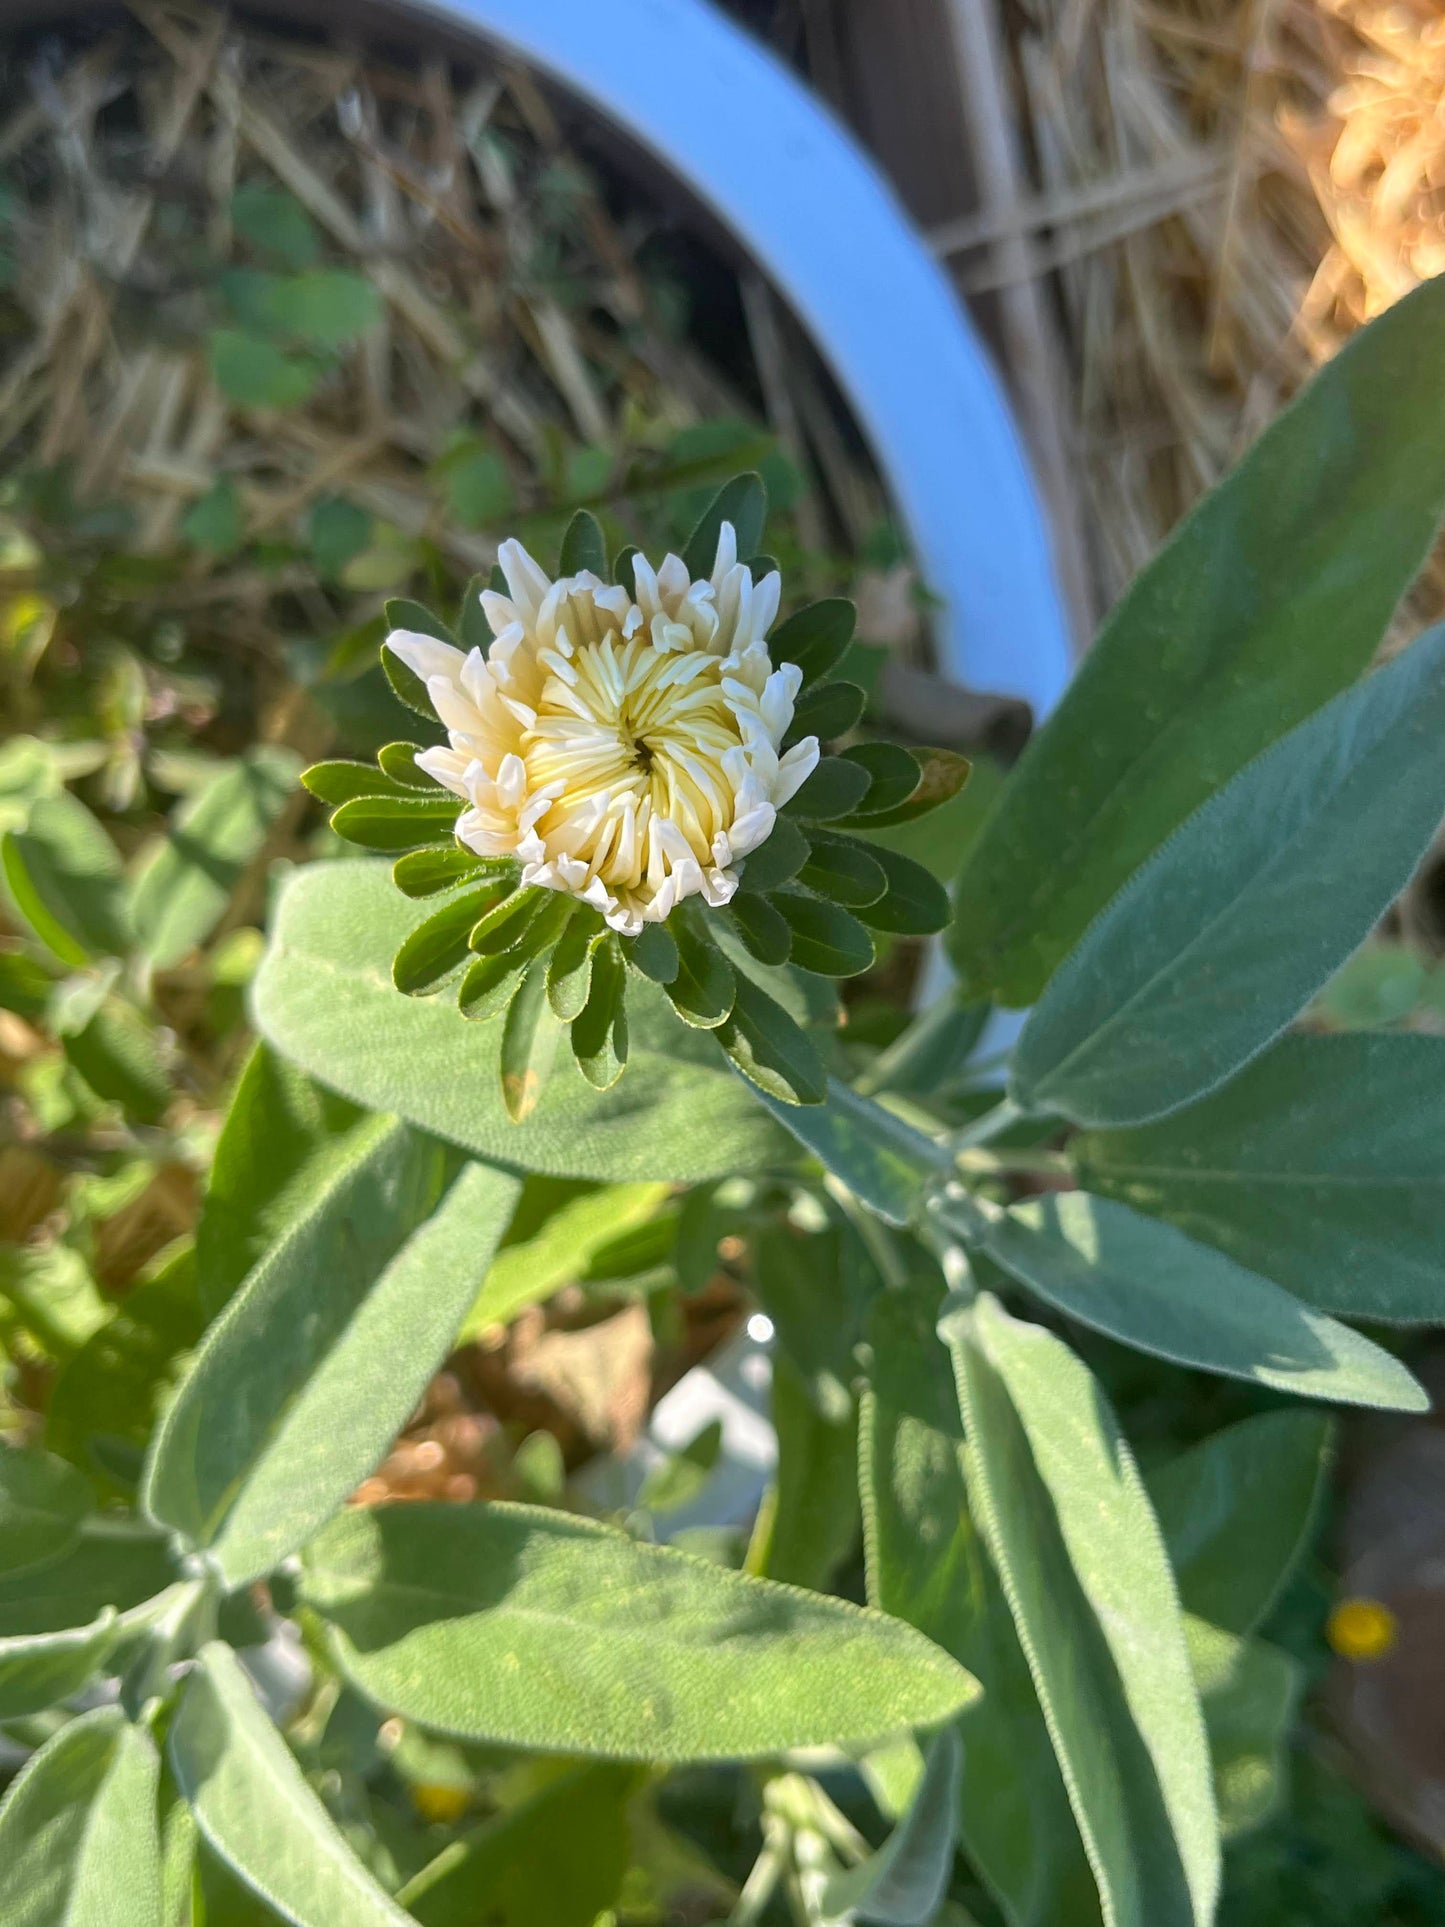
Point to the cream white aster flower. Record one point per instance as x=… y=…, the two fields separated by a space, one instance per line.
x=627 y=752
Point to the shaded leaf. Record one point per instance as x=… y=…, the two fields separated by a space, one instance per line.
x=916 y=903
x=903 y=1882
x=584 y=547
x=255 y=1809
x=704 y=987
x=1148 y=1285
x=1322 y=1165
x=825 y=937
x=42 y=1503
x=324 y=997
x=64 y=877
x=770 y=1050
x=181 y=895
x=530 y=1037
x=1226 y=934
x=370 y=1288
x=1070 y=1530
x=1238 y=1509
x=843 y=870
x=744 y=502
x=835 y=789
x=1271 y=596
x=78 y=1839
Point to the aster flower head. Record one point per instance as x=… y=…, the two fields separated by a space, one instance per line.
x=631 y=786
x=625 y=752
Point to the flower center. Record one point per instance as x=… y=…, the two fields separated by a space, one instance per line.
x=628 y=738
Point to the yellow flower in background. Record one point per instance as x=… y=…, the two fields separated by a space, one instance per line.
x=1362 y=1630
x=625 y=750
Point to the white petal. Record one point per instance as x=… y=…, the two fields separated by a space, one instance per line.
x=727 y=552
x=425 y=656
x=512 y=780
x=526 y=579
x=795 y=769
x=445 y=766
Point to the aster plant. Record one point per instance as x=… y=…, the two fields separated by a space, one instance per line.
x=633 y=784
x=968 y=1273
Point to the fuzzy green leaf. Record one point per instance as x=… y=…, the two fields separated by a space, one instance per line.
x=926 y=1563
x=340 y=781
x=78 y=1840
x=182 y=894
x=397 y=761
x=1238 y=1509
x=1339 y=1201
x=893 y=775
x=1271 y=596
x=324 y=997
x=599 y=1035
x=654 y=952
x=64 y=876
x=530 y=1037
x=703 y=990
x=370 y=1288
x=815 y=638
x=425 y=873
x=775 y=861
x=915 y=904
x=825 y=938
x=835 y=789
x=827 y=710
x=763 y=929
x=902 y=1884
x=584 y=547
x=1226 y=934
x=843 y=870
x=744 y=502
x=1149 y=1286
x=942 y=774
x=436 y=948
x=256 y=1810
x=393 y=823
x=1070 y=1531
x=770 y=1050
x=569 y=971
x=42 y=1503
x=527 y=1628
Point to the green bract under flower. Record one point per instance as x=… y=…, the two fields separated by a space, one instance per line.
x=625 y=782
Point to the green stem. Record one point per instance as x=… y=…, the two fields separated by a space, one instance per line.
x=984 y=1129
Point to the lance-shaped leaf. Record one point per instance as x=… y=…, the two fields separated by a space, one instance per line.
x=704 y=986
x=809 y=1524
x=881 y=1159
x=1271 y=596
x=584 y=547
x=825 y=938
x=1321 y=1165
x=1237 y=1510
x=63 y=875
x=840 y=868
x=116 y=1567
x=763 y=929
x=310 y=1372
x=256 y=1811
x=526 y=1628
x=1089 y=1586
x=183 y=891
x=78 y=1840
x=1148 y=1285
x=438 y=945
x=397 y=822
x=893 y=774
x=903 y=1882
x=770 y=1050
x=530 y=1037
x=773 y=862
x=38 y=1670
x=530 y=1270
x=835 y=789
x=1249 y=1692
x=827 y=710
x=323 y=997
x=816 y=638
x=42 y=1504
x=282 y=1144
x=926 y=1563
x=914 y=904
x=425 y=873
x=509 y=1870
x=1225 y=934
x=599 y=1036
x=744 y=502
